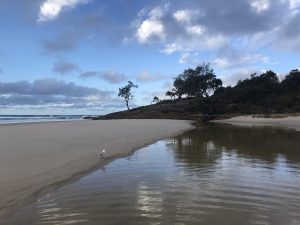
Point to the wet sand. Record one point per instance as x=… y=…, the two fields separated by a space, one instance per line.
x=291 y=122
x=38 y=155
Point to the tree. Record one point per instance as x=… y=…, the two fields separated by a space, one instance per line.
x=292 y=81
x=179 y=87
x=170 y=94
x=200 y=81
x=155 y=99
x=126 y=92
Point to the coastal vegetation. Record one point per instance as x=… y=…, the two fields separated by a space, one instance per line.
x=198 y=82
x=263 y=93
x=199 y=94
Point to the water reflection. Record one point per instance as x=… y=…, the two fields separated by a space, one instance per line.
x=49 y=212
x=217 y=174
x=149 y=201
x=206 y=143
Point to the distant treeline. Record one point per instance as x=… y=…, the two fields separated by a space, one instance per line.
x=260 y=93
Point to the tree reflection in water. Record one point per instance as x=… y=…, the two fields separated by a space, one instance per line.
x=204 y=146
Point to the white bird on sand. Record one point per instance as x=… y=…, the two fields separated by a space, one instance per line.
x=102 y=153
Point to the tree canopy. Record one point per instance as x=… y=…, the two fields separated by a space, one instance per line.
x=263 y=93
x=200 y=81
x=260 y=93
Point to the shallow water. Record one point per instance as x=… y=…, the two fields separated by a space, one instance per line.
x=217 y=174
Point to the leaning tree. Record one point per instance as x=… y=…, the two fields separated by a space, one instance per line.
x=126 y=92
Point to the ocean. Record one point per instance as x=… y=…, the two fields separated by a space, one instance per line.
x=5 y=119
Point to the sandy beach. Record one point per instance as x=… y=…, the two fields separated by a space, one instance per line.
x=290 y=122
x=39 y=155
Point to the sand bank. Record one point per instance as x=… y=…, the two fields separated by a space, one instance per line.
x=36 y=156
x=291 y=122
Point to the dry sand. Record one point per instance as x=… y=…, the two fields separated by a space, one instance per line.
x=291 y=122
x=34 y=157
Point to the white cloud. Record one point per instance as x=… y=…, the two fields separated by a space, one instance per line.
x=178 y=31
x=240 y=60
x=214 y=42
x=184 y=58
x=260 y=5
x=294 y=3
x=195 y=43
x=50 y=9
x=184 y=16
x=156 y=13
x=150 y=29
x=222 y=62
x=231 y=77
x=171 y=48
x=195 y=30
x=188 y=57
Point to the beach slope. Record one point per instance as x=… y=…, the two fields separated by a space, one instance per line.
x=37 y=155
x=291 y=122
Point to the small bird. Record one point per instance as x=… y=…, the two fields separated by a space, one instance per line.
x=102 y=153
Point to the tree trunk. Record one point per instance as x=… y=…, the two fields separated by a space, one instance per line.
x=127 y=105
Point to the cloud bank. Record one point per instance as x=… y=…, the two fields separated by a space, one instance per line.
x=63 y=67
x=50 y=92
x=191 y=28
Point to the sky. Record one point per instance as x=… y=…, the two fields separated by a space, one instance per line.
x=72 y=56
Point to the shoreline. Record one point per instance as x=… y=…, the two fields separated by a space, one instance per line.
x=288 y=122
x=39 y=157
x=39 y=121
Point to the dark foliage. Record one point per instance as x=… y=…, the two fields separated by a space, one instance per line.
x=200 y=81
x=263 y=93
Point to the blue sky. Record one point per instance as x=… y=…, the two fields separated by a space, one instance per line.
x=71 y=56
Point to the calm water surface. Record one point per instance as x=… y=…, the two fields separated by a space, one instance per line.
x=7 y=119
x=217 y=174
